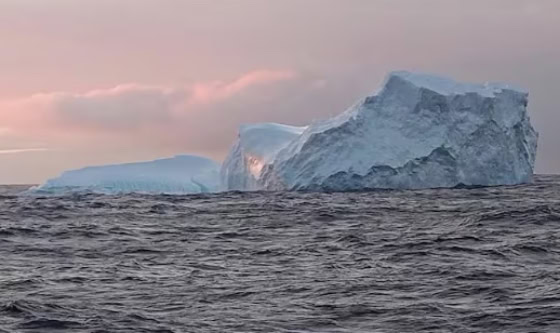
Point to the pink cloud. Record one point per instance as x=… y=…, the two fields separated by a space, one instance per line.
x=218 y=90
x=127 y=105
x=134 y=115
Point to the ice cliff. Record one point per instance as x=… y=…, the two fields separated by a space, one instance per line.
x=419 y=131
x=178 y=175
x=256 y=146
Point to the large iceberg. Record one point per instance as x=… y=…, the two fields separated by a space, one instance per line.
x=419 y=131
x=177 y=175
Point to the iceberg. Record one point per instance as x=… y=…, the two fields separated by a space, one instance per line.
x=256 y=146
x=181 y=174
x=419 y=131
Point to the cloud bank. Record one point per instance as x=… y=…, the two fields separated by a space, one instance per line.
x=200 y=117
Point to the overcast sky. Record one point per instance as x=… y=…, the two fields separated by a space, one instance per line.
x=105 y=81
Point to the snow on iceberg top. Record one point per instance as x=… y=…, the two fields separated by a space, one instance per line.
x=265 y=139
x=448 y=86
x=179 y=174
x=247 y=128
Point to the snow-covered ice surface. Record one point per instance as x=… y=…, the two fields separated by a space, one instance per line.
x=256 y=146
x=419 y=131
x=177 y=175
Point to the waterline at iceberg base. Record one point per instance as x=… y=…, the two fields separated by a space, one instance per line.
x=419 y=131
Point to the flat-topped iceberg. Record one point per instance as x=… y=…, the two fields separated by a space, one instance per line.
x=419 y=131
x=177 y=175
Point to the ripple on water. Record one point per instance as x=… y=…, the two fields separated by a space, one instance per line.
x=463 y=260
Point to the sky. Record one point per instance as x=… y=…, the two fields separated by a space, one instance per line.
x=108 y=81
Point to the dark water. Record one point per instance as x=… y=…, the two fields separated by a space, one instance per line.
x=484 y=260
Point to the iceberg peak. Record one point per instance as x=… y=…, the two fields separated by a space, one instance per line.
x=447 y=86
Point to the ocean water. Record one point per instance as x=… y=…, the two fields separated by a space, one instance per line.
x=463 y=260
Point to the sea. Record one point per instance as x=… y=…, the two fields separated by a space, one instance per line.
x=442 y=260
